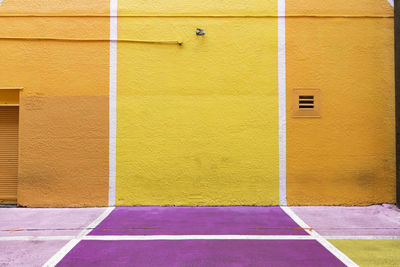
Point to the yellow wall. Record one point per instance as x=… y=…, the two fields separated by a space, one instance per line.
x=346 y=157
x=198 y=123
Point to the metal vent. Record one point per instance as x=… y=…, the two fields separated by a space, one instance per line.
x=306 y=102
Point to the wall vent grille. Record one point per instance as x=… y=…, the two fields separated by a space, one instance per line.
x=306 y=103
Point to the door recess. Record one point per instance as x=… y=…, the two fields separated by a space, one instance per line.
x=8 y=153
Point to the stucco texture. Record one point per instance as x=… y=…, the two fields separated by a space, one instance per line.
x=360 y=8
x=63 y=157
x=198 y=123
x=347 y=156
x=54 y=7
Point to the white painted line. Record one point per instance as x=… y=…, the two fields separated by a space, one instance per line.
x=53 y=261
x=391 y=2
x=363 y=237
x=331 y=248
x=200 y=237
x=113 y=102
x=193 y=237
x=158 y=237
x=282 y=101
x=97 y=221
x=73 y=242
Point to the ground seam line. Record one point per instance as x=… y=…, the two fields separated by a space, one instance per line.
x=331 y=248
x=56 y=258
x=363 y=237
x=36 y=238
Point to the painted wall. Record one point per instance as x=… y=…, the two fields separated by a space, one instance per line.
x=63 y=157
x=199 y=123
x=346 y=157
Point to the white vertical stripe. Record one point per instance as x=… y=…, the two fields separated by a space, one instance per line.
x=282 y=101
x=331 y=248
x=391 y=2
x=113 y=101
x=53 y=261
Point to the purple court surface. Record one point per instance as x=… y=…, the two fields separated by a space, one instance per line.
x=246 y=221
x=198 y=221
x=199 y=236
x=201 y=253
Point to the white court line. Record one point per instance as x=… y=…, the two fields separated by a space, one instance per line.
x=193 y=237
x=200 y=237
x=159 y=237
x=113 y=102
x=331 y=248
x=391 y=2
x=282 y=101
x=72 y=243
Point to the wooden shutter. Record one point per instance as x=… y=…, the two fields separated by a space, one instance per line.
x=8 y=153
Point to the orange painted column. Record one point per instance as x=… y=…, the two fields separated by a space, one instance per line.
x=64 y=104
x=345 y=49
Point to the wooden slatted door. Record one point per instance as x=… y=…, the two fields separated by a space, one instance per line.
x=8 y=153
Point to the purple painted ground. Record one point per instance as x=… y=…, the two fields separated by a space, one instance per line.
x=200 y=253
x=342 y=221
x=198 y=221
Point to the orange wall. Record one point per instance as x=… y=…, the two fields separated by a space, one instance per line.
x=346 y=157
x=64 y=103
